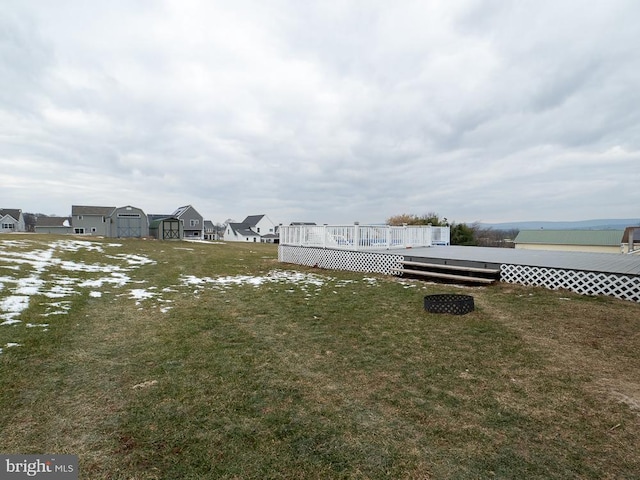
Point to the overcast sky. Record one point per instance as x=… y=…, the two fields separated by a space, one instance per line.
x=324 y=111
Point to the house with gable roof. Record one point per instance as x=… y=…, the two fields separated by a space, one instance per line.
x=192 y=222
x=57 y=225
x=254 y=228
x=91 y=220
x=11 y=220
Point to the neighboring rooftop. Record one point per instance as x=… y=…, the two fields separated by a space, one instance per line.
x=571 y=237
x=91 y=210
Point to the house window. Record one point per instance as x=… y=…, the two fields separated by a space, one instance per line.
x=8 y=226
x=94 y=229
x=78 y=231
x=79 y=217
x=194 y=222
x=258 y=229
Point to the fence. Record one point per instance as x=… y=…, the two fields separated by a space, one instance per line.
x=364 y=237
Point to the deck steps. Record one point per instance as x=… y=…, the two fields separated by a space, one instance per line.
x=453 y=273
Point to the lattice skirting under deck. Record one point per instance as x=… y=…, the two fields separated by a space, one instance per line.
x=340 y=259
x=626 y=287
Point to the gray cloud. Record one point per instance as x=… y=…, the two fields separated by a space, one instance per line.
x=322 y=111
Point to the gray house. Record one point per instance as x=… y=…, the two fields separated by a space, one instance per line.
x=11 y=220
x=192 y=222
x=91 y=220
x=59 y=225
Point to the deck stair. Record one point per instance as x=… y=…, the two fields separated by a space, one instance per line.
x=451 y=273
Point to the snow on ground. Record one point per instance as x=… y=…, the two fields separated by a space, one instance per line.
x=32 y=269
x=27 y=265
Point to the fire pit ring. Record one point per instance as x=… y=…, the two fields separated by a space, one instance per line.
x=449 y=303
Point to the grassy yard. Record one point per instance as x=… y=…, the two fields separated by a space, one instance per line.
x=160 y=360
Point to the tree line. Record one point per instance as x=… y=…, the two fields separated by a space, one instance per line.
x=461 y=233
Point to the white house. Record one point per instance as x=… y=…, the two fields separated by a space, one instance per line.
x=254 y=228
x=11 y=220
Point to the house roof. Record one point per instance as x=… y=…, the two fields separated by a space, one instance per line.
x=571 y=237
x=91 y=210
x=53 y=222
x=12 y=212
x=157 y=216
x=243 y=229
x=253 y=220
x=158 y=219
x=180 y=210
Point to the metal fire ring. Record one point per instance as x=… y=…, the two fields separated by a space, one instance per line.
x=449 y=303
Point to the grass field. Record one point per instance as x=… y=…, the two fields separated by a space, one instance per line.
x=192 y=361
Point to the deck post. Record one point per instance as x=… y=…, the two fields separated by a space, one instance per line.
x=356 y=235
x=324 y=236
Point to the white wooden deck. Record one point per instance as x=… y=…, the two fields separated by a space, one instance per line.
x=611 y=274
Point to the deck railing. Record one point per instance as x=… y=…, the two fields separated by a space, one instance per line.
x=364 y=237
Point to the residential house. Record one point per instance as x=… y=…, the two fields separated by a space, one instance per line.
x=240 y=232
x=11 y=220
x=254 y=228
x=600 y=241
x=210 y=231
x=91 y=220
x=58 y=225
x=192 y=222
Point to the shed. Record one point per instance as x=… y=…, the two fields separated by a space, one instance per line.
x=167 y=228
x=129 y=222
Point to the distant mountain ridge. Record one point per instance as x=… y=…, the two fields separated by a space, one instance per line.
x=599 y=224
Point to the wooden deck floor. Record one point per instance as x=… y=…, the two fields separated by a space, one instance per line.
x=592 y=262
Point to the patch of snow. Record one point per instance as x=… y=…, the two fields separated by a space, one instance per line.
x=95 y=294
x=31 y=256
x=11 y=307
x=141 y=294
